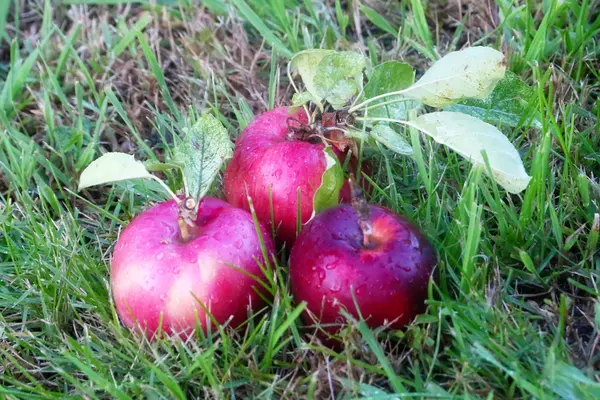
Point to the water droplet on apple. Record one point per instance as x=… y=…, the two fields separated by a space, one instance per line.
x=314 y=268
x=290 y=163
x=336 y=287
x=403 y=268
x=337 y=236
x=360 y=290
x=238 y=244
x=277 y=174
x=160 y=256
x=331 y=265
x=321 y=275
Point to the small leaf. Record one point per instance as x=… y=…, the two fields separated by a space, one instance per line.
x=390 y=76
x=470 y=136
x=204 y=148
x=112 y=167
x=385 y=135
x=328 y=193
x=511 y=103
x=469 y=73
x=307 y=63
x=339 y=77
x=301 y=98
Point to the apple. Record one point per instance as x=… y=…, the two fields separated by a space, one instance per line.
x=331 y=262
x=157 y=278
x=276 y=164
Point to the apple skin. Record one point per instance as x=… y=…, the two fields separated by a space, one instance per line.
x=153 y=271
x=389 y=280
x=269 y=164
x=266 y=159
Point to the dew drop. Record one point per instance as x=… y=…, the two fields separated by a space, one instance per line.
x=321 y=275
x=160 y=256
x=238 y=244
x=314 y=268
x=277 y=174
x=336 y=287
x=360 y=290
x=337 y=236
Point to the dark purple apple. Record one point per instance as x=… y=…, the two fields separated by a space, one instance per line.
x=156 y=276
x=388 y=277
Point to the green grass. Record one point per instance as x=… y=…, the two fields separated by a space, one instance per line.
x=514 y=311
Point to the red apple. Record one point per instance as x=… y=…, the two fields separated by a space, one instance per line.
x=154 y=274
x=275 y=165
x=329 y=263
x=269 y=161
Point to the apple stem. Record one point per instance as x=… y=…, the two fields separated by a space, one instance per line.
x=360 y=205
x=187 y=216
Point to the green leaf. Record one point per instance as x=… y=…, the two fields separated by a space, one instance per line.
x=511 y=103
x=469 y=73
x=339 y=77
x=307 y=63
x=469 y=137
x=112 y=167
x=390 y=76
x=385 y=135
x=204 y=148
x=301 y=98
x=327 y=195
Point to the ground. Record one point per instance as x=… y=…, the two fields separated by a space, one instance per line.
x=514 y=311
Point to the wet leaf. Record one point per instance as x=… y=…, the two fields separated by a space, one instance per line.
x=469 y=73
x=202 y=151
x=511 y=103
x=339 y=77
x=385 y=135
x=469 y=137
x=307 y=63
x=390 y=76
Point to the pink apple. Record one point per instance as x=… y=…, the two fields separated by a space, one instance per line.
x=329 y=264
x=155 y=275
x=276 y=167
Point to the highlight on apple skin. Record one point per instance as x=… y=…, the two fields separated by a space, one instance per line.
x=159 y=280
x=329 y=264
